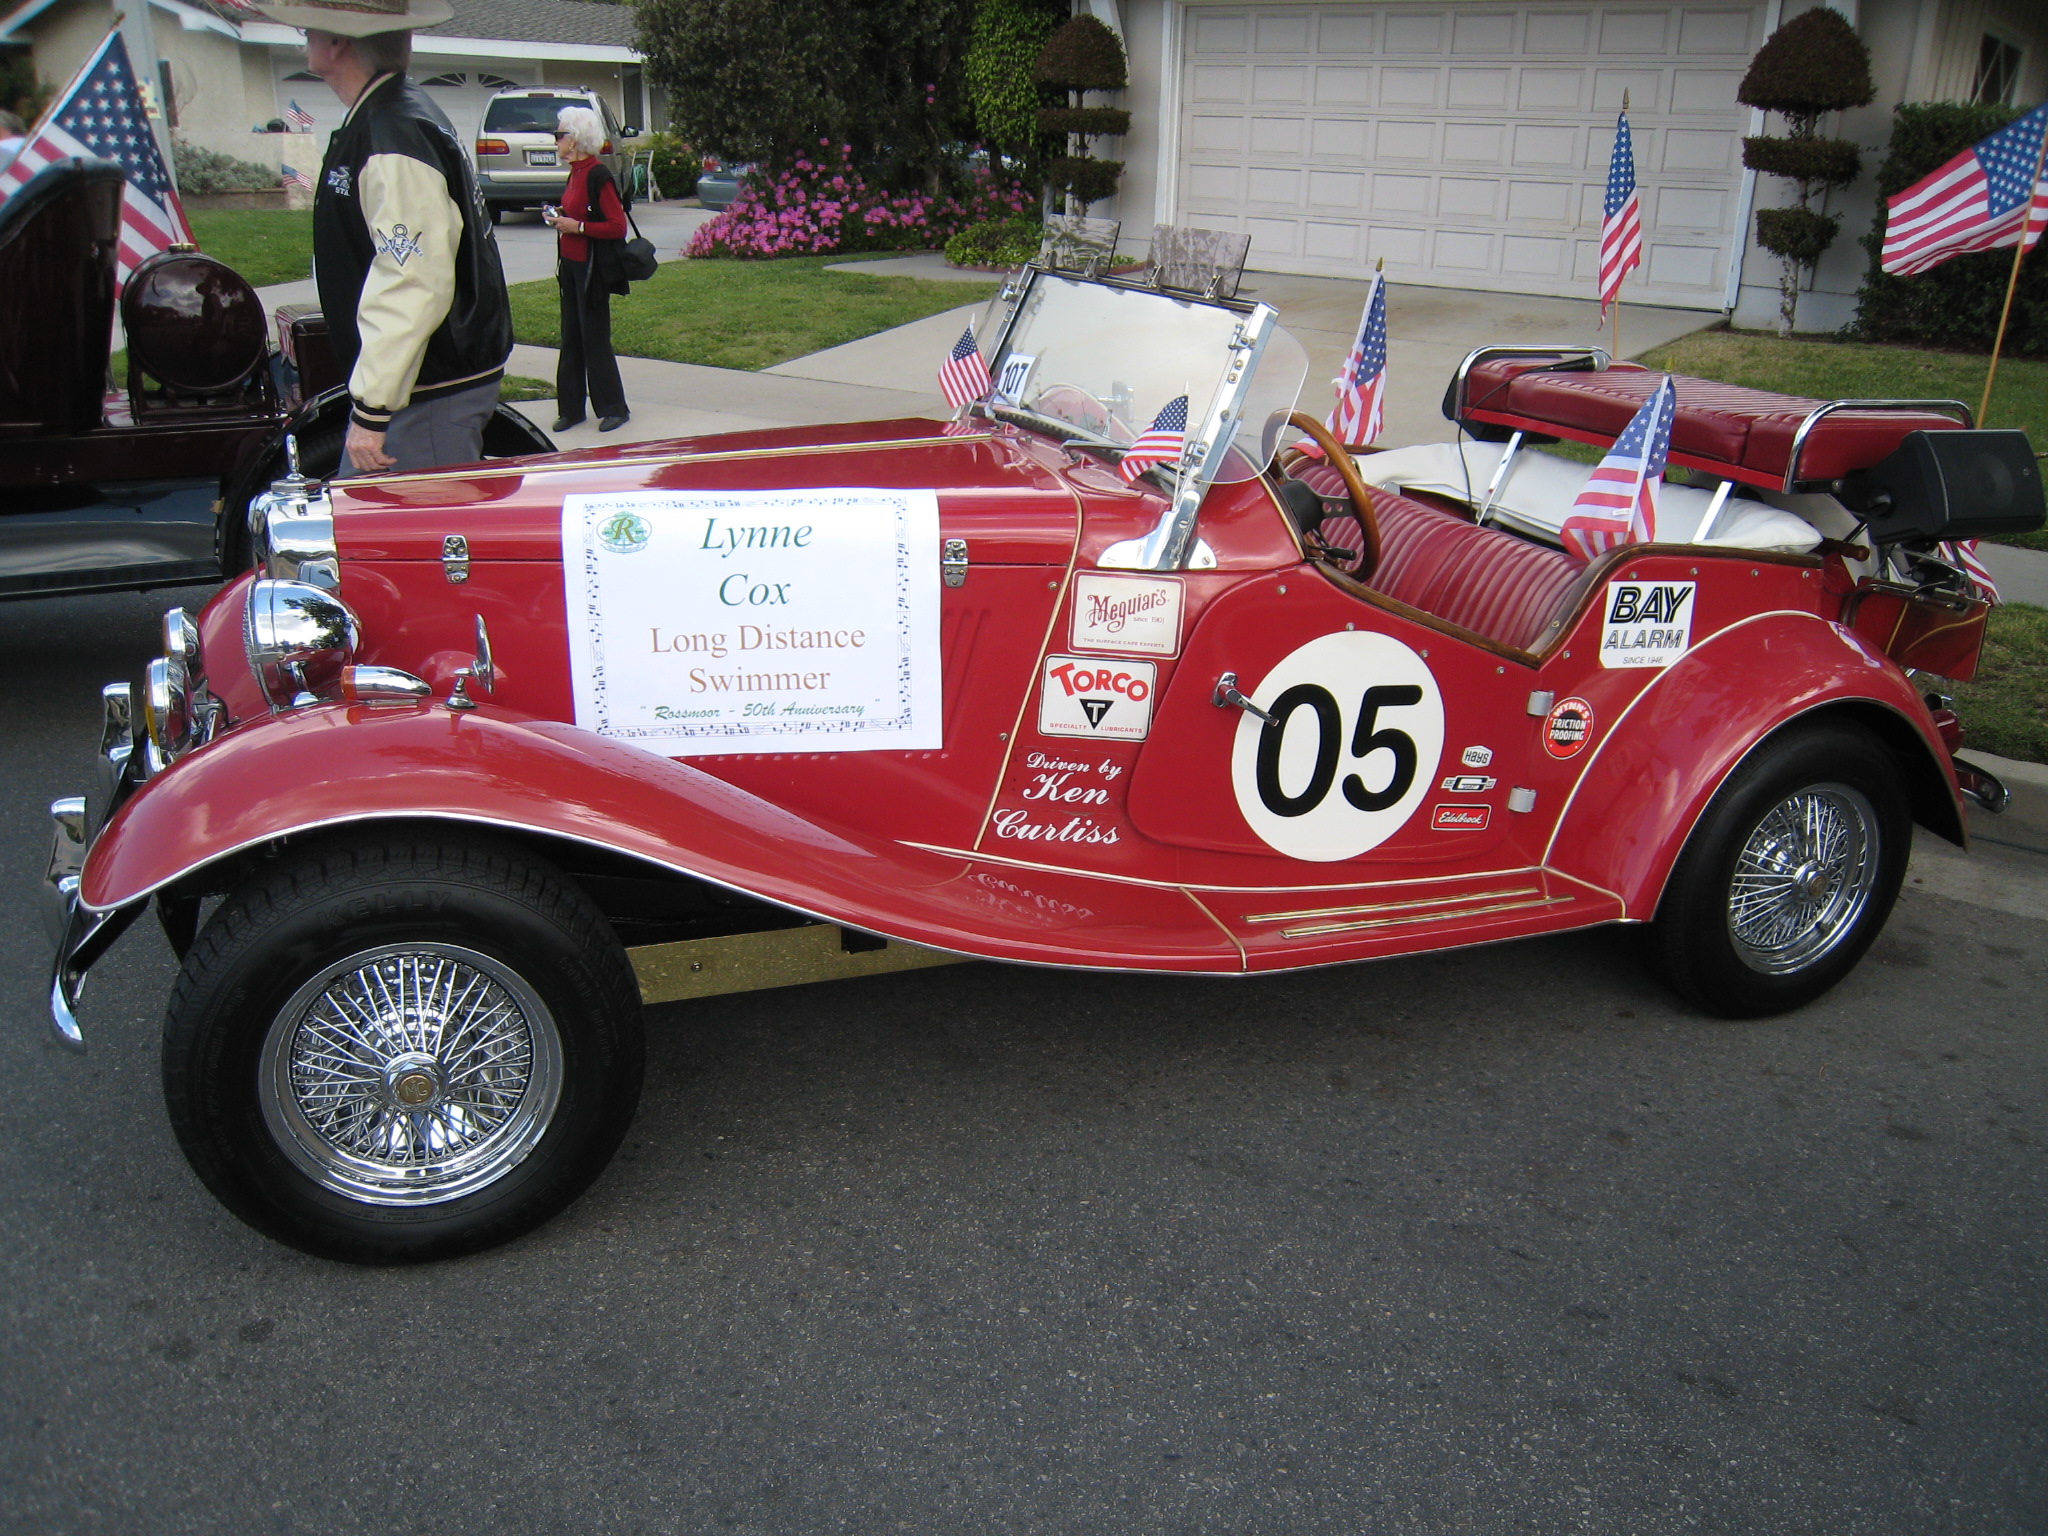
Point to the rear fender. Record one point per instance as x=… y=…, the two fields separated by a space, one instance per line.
x=1654 y=773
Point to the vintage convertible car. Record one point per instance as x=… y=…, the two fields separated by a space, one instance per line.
x=486 y=758
x=147 y=483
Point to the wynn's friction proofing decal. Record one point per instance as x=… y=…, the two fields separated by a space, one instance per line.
x=1357 y=729
x=1567 y=728
x=1138 y=615
x=1647 y=623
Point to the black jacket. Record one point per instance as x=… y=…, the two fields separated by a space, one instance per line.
x=404 y=256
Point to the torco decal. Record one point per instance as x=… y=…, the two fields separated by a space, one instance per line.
x=1476 y=757
x=1567 y=727
x=1126 y=613
x=1460 y=818
x=1090 y=696
x=1649 y=623
x=1357 y=728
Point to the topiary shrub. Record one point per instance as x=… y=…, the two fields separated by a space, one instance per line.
x=1955 y=304
x=1813 y=65
x=1001 y=93
x=1082 y=56
x=201 y=171
x=996 y=243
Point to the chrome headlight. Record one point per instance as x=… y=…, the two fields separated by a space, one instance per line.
x=177 y=712
x=291 y=527
x=299 y=636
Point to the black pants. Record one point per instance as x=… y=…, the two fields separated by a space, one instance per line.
x=586 y=346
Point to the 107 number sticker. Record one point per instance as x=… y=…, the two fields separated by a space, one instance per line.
x=1358 y=727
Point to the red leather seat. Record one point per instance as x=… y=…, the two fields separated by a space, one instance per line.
x=1745 y=433
x=1491 y=583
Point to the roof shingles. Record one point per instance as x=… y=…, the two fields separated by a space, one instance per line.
x=541 y=21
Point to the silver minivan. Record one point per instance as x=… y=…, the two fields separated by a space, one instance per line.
x=517 y=165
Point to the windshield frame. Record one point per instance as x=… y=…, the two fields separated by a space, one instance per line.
x=1210 y=437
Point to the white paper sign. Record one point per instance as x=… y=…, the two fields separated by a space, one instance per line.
x=1096 y=696
x=756 y=621
x=1136 y=614
x=1648 y=623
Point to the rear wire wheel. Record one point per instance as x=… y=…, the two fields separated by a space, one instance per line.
x=1790 y=874
x=398 y=1048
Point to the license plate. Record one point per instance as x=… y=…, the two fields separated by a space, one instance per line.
x=540 y=157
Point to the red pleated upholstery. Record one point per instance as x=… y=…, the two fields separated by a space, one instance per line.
x=1481 y=579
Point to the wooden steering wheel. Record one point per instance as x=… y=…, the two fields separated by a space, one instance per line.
x=1354 y=487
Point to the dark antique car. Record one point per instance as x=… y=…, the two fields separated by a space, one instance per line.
x=486 y=757
x=146 y=481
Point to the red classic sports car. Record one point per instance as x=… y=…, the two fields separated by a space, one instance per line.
x=483 y=759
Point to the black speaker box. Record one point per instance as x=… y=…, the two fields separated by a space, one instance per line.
x=1950 y=485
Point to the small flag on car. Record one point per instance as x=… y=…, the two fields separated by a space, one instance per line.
x=294 y=177
x=300 y=119
x=1362 y=387
x=1621 y=222
x=101 y=116
x=1993 y=194
x=1160 y=443
x=1964 y=554
x=1619 y=504
x=964 y=376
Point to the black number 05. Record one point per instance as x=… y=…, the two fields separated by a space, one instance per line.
x=1329 y=735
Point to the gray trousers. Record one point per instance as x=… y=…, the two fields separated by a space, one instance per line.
x=446 y=430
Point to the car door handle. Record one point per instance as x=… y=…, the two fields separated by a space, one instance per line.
x=1226 y=696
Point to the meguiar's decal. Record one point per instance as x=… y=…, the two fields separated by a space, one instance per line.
x=1138 y=615
x=1357 y=729
x=1646 y=623
x=1567 y=728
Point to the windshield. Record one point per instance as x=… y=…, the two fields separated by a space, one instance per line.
x=1097 y=364
x=528 y=114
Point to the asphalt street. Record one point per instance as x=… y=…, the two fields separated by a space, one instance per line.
x=1498 y=1241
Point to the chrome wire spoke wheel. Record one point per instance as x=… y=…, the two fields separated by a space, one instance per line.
x=1803 y=878
x=410 y=1074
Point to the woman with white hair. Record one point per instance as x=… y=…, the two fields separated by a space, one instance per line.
x=590 y=227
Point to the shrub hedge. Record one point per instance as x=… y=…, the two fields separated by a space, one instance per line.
x=996 y=243
x=206 y=170
x=1956 y=304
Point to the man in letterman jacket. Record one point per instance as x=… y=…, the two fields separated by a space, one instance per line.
x=403 y=252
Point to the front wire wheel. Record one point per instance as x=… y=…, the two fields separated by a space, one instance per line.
x=390 y=1049
x=1789 y=876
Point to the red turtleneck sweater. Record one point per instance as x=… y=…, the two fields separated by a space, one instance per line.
x=576 y=205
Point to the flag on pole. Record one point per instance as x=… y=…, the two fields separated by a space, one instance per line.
x=1619 y=504
x=1362 y=386
x=100 y=115
x=1992 y=194
x=1621 y=222
x=1160 y=443
x=294 y=177
x=1964 y=554
x=300 y=119
x=963 y=377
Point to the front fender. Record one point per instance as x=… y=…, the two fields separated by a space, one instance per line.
x=333 y=765
x=1653 y=774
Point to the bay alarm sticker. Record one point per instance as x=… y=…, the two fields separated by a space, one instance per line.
x=1096 y=696
x=1354 y=744
x=1135 y=614
x=1567 y=728
x=1647 y=623
x=1460 y=818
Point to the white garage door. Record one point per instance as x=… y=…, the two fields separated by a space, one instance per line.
x=1467 y=145
x=460 y=87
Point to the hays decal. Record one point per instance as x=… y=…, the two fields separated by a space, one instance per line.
x=1108 y=699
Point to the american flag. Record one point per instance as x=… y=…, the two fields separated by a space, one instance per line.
x=1964 y=554
x=1619 y=504
x=1992 y=194
x=963 y=376
x=300 y=119
x=100 y=115
x=1362 y=387
x=1160 y=443
x=294 y=177
x=1621 y=223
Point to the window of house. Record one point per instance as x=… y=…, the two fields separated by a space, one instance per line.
x=497 y=82
x=448 y=79
x=302 y=74
x=630 y=94
x=1998 y=70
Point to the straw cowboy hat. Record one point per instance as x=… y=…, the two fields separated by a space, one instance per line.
x=361 y=18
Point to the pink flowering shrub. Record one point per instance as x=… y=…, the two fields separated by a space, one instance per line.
x=819 y=203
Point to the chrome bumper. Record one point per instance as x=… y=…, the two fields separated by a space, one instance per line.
x=79 y=935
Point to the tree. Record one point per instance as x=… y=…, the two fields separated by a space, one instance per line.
x=1083 y=56
x=766 y=79
x=1813 y=65
x=1001 y=93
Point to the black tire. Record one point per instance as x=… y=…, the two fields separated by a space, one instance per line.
x=433 y=1144
x=497 y=211
x=1789 y=875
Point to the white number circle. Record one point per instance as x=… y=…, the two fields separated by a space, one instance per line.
x=1359 y=727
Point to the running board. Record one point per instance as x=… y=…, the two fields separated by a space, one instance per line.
x=779 y=957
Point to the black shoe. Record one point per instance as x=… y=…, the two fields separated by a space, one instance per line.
x=564 y=423
x=613 y=423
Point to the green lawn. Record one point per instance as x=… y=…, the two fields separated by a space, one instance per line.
x=747 y=314
x=264 y=246
x=2006 y=709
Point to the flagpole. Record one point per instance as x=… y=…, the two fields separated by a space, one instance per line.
x=2012 y=283
x=1623 y=277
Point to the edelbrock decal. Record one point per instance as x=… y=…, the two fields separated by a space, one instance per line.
x=1138 y=615
x=1097 y=696
x=1460 y=818
x=1647 y=623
